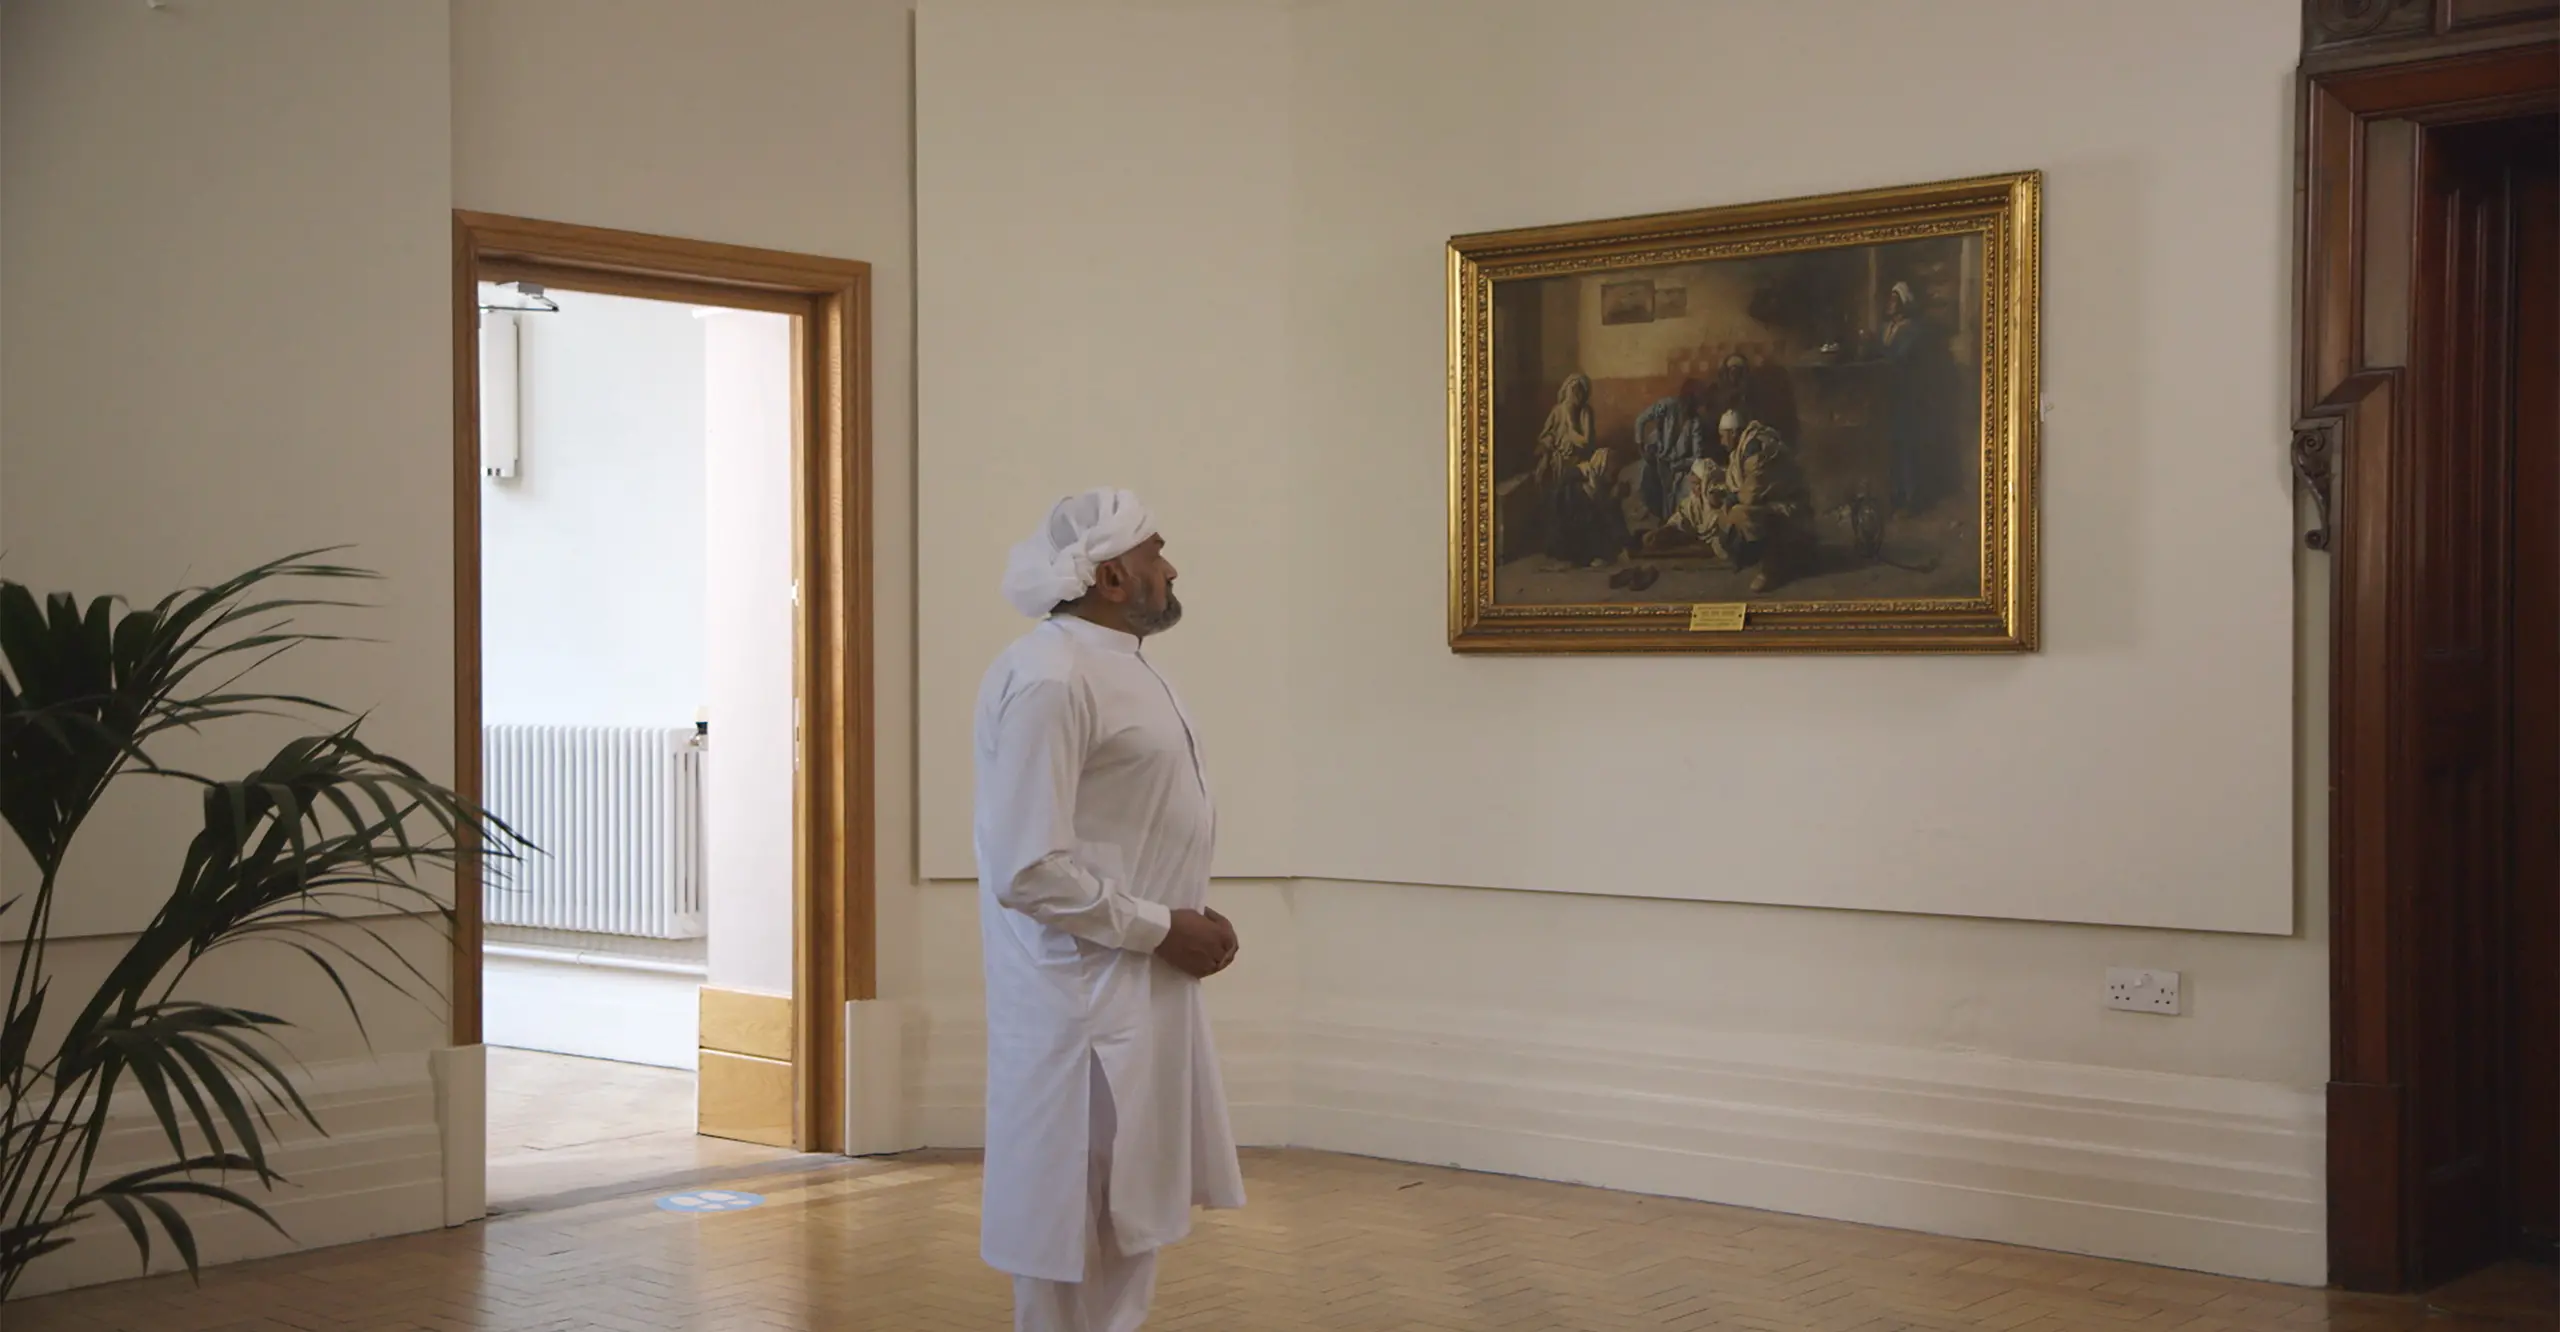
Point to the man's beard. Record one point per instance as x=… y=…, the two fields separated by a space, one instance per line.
x=1148 y=621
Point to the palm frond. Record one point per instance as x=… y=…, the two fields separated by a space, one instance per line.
x=129 y=1197
x=299 y=852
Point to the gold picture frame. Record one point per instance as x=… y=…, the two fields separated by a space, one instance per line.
x=1817 y=433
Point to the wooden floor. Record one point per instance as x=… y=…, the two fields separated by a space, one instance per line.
x=1329 y=1242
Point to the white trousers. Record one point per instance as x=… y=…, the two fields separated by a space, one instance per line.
x=1117 y=1287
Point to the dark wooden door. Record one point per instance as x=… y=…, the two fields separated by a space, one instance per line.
x=2480 y=950
x=2534 y=968
x=2423 y=434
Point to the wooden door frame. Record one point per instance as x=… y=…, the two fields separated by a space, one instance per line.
x=2351 y=445
x=833 y=927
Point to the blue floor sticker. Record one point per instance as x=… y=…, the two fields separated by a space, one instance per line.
x=710 y=1200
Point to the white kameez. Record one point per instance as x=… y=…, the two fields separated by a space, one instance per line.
x=1117 y=1287
x=1094 y=823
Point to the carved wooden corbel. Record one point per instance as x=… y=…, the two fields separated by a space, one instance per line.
x=2315 y=457
x=2345 y=20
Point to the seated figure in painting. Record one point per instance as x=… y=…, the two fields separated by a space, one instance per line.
x=1671 y=434
x=1693 y=512
x=1577 y=484
x=1728 y=434
x=1699 y=515
x=1765 y=509
x=1586 y=520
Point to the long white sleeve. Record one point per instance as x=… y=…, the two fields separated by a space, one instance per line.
x=1028 y=807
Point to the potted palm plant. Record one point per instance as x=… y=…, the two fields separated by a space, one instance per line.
x=313 y=851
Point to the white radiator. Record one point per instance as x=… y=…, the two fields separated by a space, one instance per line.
x=615 y=815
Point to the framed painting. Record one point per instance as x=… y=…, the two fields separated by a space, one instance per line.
x=1800 y=426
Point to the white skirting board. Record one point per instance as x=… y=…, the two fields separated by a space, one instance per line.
x=572 y=1005
x=461 y=1074
x=2208 y=1174
x=379 y=1172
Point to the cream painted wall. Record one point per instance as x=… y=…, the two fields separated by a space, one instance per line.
x=2128 y=796
x=226 y=335
x=1102 y=237
x=2133 y=773
x=2033 y=788
x=2143 y=770
x=226 y=339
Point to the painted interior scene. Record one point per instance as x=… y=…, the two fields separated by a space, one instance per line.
x=1797 y=427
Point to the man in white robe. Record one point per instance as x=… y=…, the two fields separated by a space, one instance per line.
x=1106 y=1123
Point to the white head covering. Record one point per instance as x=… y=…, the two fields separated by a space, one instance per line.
x=1083 y=532
x=1903 y=290
x=1731 y=420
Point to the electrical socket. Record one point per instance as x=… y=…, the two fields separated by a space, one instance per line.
x=2142 y=990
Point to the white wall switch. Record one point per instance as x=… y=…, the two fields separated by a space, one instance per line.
x=2141 y=990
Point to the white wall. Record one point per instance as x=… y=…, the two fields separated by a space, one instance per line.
x=591 y=572
x=747 y=794
x=2071 y=786
x=1913 y=1061
x=1903 y=784
x=227 y=335
x=225 y=341
x=1102 y=248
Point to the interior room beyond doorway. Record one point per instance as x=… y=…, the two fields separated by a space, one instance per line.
x=637 y=714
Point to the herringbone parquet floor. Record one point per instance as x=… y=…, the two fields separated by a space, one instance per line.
x=1329 y=1242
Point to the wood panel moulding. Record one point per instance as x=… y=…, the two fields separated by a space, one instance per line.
x=744 y=1099
x=2379 y=76
x=745 y=1023
x=2345 y=32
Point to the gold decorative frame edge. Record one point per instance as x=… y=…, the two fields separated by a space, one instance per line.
x=2005 y=620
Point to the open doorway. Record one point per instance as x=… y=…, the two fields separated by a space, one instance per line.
x=636 y=717
x=662 y=680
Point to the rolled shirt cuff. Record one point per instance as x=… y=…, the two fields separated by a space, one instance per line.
x=1149 y=923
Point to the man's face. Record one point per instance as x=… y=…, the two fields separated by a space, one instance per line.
x=1141 y=584
x=1735 y=372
